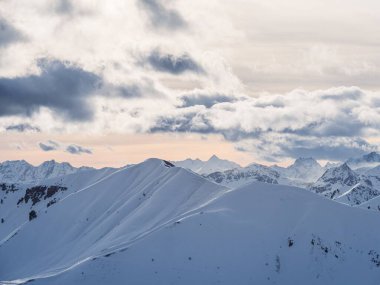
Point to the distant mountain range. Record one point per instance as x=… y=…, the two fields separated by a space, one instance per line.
x=20 y=171
x=353 y=182
x=206 y=167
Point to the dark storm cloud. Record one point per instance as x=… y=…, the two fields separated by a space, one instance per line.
x=327 y=151
x=338 y=127
x=182 y=123
x=329 y=148
x=49 y=145
x=207 y=100
x=64 y=88
x=64 y=7
x=162 y=17
x=193 y=122
x=173 y=64
x=22 y=128
x=9 y=34
x=77 y=149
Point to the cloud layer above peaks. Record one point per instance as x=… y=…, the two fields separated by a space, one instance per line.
x=232 y=69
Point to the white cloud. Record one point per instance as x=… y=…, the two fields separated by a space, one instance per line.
x=250 y=54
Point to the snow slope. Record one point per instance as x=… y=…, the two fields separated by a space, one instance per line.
x=256 y=234
x=373 y=204
x=100 y=218
x=18 y=199
x=154 y=223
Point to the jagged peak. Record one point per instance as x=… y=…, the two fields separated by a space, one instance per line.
x=344 y=166
x=214 y=157
x=21 y=161
x=372 y=156
x=53 y=163
x=302 y=161
x=22 y=171
x=341 y=169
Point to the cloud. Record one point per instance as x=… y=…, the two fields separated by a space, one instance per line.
x=21 y=128
x=161 y=16
x=70 y=9
x=173 y=64
x=325 y=123
x=64 y=7
x=275 y=147
x=62 y=87
x=299 y=112
x=198 y=97
x=9 y=34
x=49 y=145
x=72 y=148
x=77 y=149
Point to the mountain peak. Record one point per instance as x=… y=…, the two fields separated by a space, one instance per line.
x=344 y=166
x=368 y=160
x=301 y=158
x=48 y=162
x=213 y=164
x=372 y=157
x=336 y=180
x=22 y=161
x=342 y=172
x=214 y=158
x=22 y=171
x=305 y=162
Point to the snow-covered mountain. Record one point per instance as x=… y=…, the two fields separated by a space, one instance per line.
x=154 y=223
x=301 y=173
x=336 y=181
x=369 y=160
x=20 y=171
x=214 y=164
x=345 y=185
x=243 y=175
x=94 y=218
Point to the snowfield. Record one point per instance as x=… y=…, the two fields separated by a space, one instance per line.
x=154 y=223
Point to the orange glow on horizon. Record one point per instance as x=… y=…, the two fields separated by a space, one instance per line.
x=119 y=150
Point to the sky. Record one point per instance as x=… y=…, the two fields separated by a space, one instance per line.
x=107 y=83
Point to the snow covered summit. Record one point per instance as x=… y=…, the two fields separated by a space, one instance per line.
x=369 y=160
x=213 y=164
x=20 y=171
x=302 y=172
